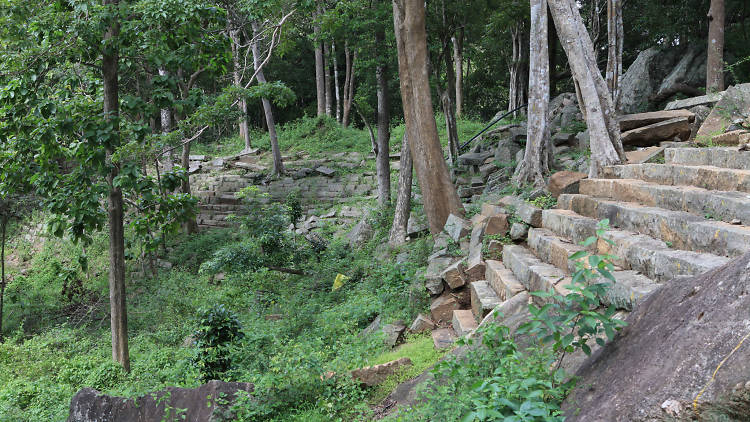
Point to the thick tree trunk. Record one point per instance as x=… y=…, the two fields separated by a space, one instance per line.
x=439 y=195
x=118 y=308
x=327 y=75
x=458 y=58
x=244 y=128
x=615 y=37
x=715 y=59
x=535 y=165
x=351 y=58
x=383 y=163
x=518 y=69
x=606 y=144
x=397 y=235
x=336 y=82
x=278 y=164
x=320 y=85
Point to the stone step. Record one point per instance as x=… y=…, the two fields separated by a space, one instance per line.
x=464 y=322
x=631 y=286
x=502 y=280
x=707 y=177
x=483 y=298
x=722 y=205
x=680 y=229
x=533 y=273
x=730 y=158
x=651 y=257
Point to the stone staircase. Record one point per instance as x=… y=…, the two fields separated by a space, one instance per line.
x=677 y=219
x=681 y=218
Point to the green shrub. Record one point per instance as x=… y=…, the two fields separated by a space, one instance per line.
x=218 y=329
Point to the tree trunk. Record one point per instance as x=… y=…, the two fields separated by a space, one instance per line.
x=615 y=37
x=165 y=115
x=278 y=164
x=327 y=68
x=351 y=58
x=517 y=69
x=439 y=195
x=382 y=155
x=320 y=85
x=552 y=52
x=244 y=128
x=190 y=226
x=715 y=59
x=458 y=58
x=449 y=110
x=535 y=165
x=397 y=235
x=336 y=82
x=118 y=308
x=606 y=144
x=4 y=223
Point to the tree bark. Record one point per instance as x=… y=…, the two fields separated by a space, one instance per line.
x=397 y=235
x=278 y=164
x=351 y=58
x=327 y=75
x=615 y=40
x=449 y=110
x=458 y=58
x=244 y=128
x=439 y=195
x=535 y=165
x=118 y=308
x=715 y=59
x=606 y=144
x=517 y=69
x=4 y=223
x=165 y=115
x=320 y=85
x=382 y=155
x=336 y=82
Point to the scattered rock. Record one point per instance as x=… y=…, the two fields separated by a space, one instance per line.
x=455 y=275
x=360 y=234
x=652 y=134
x=518 y=231
x=483 y=298
x=199 y=404
x=421 y=323
x=375 y=375
x=443 y=338
x=506 y=151
x=373 y=327
x=274 y=317
x=497 y=225
x=463 y=322
x=633 y=121
x=565 y=182
x=703 y=100
x=474 y=158
x=393 y=333
x=456 y=227
x=442 y=307
x=325 y=171
x=734 y=104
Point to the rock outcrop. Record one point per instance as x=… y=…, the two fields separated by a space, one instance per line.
x=684 y=341
x=209 y=402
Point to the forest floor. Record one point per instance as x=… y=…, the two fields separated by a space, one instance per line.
x=296 y=327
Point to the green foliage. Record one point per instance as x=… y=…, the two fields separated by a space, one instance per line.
x=494 y=381
x=218 y=329
x=570 y=322
x=544 y=202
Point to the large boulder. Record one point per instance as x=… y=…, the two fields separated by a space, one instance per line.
x=733 y=106
x=683 y=340
x=200 y=404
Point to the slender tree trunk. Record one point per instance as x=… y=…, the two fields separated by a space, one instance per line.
x=118 y=308
x=449 y=110
x=327 y=74
x=278 y=164
x=615 y=37
x=244 y=128
x=397 y=235
x=336 y=82
x=351 y=58
x=715 y=60
x=518 y=69
x=606 y=144
x=382 y=157
x=535 y=165
x=4 y=223
x=458 y=58
x=320 y=85
x=166 y=126
x=440 y=198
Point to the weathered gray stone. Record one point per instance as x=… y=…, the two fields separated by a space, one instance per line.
x=564 y=182
x=325 y=171
x=717 y=157
x=393 y=333
x=474 y=158
x=655 y=133
x=463 y=322
x=528 y=213
x=443 y=338
x=734 y=104
x=708 y=99
x=518 y=231
x=421 y=323
x=506 y=151
x=705 y=177
x=377 y=374
x=483 y=298
x=455 y=275
x=475 y=267
x=373 y=327
x=201 y=404
x=456 y=227
x=633 y=121
x=442 y=307
x=502 y=280
x=564 y=138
